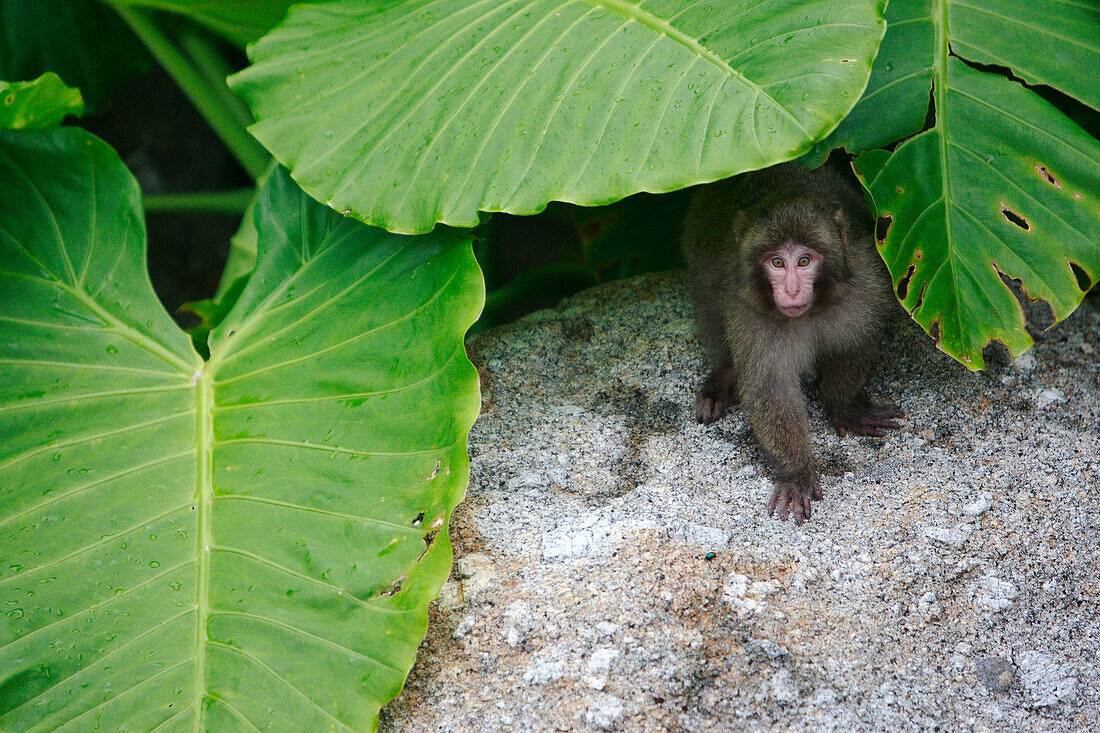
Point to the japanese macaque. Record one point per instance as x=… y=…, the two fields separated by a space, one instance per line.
x=787 y=283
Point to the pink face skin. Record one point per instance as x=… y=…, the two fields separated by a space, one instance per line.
x=792 y=269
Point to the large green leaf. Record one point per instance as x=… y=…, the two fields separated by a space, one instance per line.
x=895 y=103
x=409 y=112
x=246 y=543
x=1041 y=44
x=1056 y=42
x=1002 y=184
x=81 y=41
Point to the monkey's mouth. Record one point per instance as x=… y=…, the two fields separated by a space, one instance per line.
x=793 y=311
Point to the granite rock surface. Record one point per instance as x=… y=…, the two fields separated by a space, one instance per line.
x=616 y=568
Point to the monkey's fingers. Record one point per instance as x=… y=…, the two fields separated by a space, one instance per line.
x=802 y=506
x=781 y=500
x=794 y=501
x=872 y=432
x=707 y=409
x=778 y=495
x=881 y=422
x=887 y=410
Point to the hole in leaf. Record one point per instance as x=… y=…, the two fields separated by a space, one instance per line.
x=934 y=330
x=395 y=587
x=882 y=226
x=430 y=538
x=1015 y=218
x=920 y=297
x=1047 y=176
x=419 y=518
x=1038 y=314
x=1083 y=280
x=903 y=284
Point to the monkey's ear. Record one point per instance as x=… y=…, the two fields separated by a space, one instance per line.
x=841 y=226
x=739 y=222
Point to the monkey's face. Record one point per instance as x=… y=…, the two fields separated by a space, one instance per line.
x=792 y=269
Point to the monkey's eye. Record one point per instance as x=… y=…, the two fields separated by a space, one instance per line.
x=804 y=261
x=777 y=263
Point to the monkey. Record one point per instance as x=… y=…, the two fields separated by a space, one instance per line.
x=786 y=283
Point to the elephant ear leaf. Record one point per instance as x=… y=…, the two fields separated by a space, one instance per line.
x=405 y=114
x=243 y=543
x=997 y=199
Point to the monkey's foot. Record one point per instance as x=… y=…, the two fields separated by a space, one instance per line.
x=795 y=498
x=716 y=394
x=869 y=419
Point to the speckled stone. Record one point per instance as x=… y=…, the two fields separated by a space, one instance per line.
x=617 y=569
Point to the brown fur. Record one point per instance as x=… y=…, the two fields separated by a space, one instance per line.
x=757 y=355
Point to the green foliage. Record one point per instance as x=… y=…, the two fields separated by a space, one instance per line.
x=407 y=113
x=895 y=102
x=38 y=104
x=1002 y=184
x=247 y=541
x=240 y=21
x=79 y=40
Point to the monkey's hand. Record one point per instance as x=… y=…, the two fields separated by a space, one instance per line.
x=868 y=419
x=794 y=497
x=716 y=394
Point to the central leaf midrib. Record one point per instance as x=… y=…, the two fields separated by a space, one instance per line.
x=204 y=497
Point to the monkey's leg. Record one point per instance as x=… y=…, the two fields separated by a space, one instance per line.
x=777 y=413
x=718 y=392
x=840 y=380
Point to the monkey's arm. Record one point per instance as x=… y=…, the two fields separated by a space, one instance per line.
x=777 y=412
x=841 y=377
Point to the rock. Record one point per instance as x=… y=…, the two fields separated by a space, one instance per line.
x=544 y=671
x=599 y=667
x=949 y=537
x=1025 y=362
x=995 y=673
x=979 y=506
x=517 y=622
x=606 y=713
x=476 y=574
x=606 y=628
x=1047 y=682
x=616 y=569
x=464 y=626
x=1048 y=397
x=995 y=594
x=781 y=687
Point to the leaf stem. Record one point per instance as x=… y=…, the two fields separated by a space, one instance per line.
x=213 y=202
x=246 y=149
x=205 y=54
